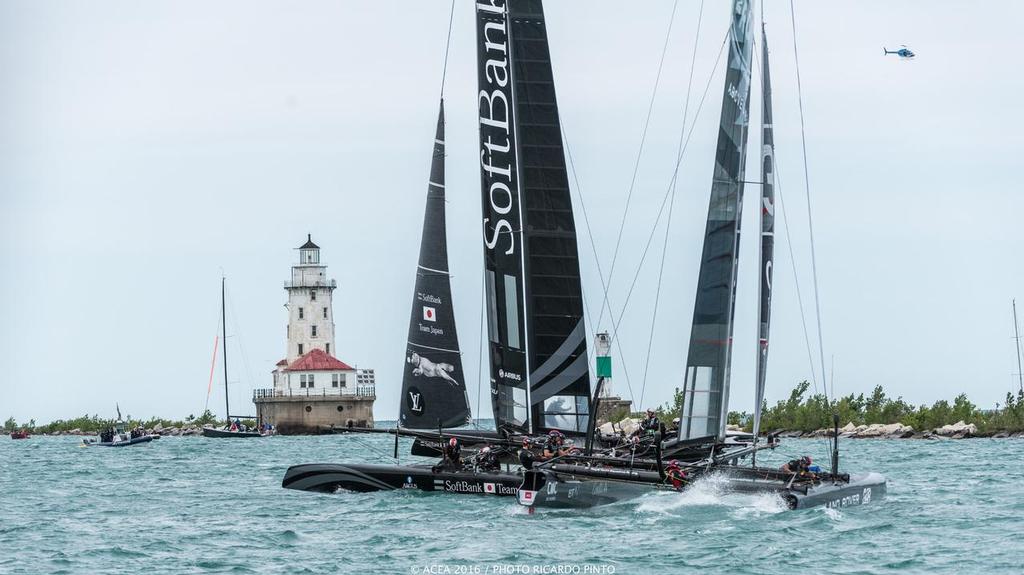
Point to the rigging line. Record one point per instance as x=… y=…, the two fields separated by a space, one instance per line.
x=661 y=210
x=636 y=164
x=597 y=261
x=777 y=176
x=668 y=223
x=796 y=277
x=241 y=347
x=777 y=181
x=480 y=346
x=447 y=47
x=675 y=175
x=807 y=189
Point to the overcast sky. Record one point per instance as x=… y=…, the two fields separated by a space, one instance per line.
x=146 y=146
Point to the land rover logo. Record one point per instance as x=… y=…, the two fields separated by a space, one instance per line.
x=414 y=401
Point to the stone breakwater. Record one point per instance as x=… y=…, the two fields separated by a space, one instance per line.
x=158 y=430
x=958 y=430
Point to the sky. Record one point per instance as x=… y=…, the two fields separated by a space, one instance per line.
x=148 y=147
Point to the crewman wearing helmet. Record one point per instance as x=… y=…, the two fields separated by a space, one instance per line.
x=487 y=460
x=799 y=466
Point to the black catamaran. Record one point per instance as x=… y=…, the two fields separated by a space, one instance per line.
x=706 y=381
x=539 y=374
x=230 y=429
x=539 y=378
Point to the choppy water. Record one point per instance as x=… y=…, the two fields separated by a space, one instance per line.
x=195 y=505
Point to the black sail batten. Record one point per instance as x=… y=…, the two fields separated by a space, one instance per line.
x=433 y=382
x=706 y=380
x=559 y=377
x=767 y=231
x=502 y=225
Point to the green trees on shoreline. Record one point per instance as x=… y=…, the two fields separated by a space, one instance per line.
x=803 y=412
x=808 y=413
x=94 y=423
x=799 y=412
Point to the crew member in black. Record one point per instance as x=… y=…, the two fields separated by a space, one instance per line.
x=487 y=460
x=650 y=425
x=452 y=455
x=553 y=445
x=797 y=466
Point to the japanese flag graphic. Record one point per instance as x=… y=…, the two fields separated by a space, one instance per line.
x=489 y=488
x=429 y=313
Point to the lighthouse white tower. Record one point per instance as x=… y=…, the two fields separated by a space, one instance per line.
x=310 y=313
x=313 y=389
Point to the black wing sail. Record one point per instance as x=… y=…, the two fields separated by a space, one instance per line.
x=706 y=382
x=433 y=384
x=767 y=231
x=503 y=241
x=557 y=346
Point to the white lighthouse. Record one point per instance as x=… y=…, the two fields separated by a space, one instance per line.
x=310 y=313
x=313 y=389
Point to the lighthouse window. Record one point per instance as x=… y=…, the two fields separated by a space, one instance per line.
x=314 y=331
x=302 y=380
x=328 y=346
x=334 y=380
x=310 y=382
x=300 y=349
x=325 y=313
x=300 y=313
x=312 y=295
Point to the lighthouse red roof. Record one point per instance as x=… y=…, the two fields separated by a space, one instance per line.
x=318 y=360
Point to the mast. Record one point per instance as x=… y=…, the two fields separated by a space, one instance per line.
x=224 y=327
x=706 y=381
x=1016 y=333
x=538 y=351
x=559 y=375
x=502 y=221
x=433 y=383
x=767 y=232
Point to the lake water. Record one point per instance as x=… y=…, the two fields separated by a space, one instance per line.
x=195 y=505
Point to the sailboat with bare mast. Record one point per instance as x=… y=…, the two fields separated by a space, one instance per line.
x=230 y=429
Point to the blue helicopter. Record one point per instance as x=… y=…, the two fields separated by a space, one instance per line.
x=903 y=52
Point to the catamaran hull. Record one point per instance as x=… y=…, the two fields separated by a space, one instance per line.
x=567 y=491
x=330 y=477
x=861 y=489
x=577 y=494
x=126 y=443
x=564 y=488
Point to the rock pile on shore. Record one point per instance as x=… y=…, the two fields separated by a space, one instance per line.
x=958 y=430
x=158 y=430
